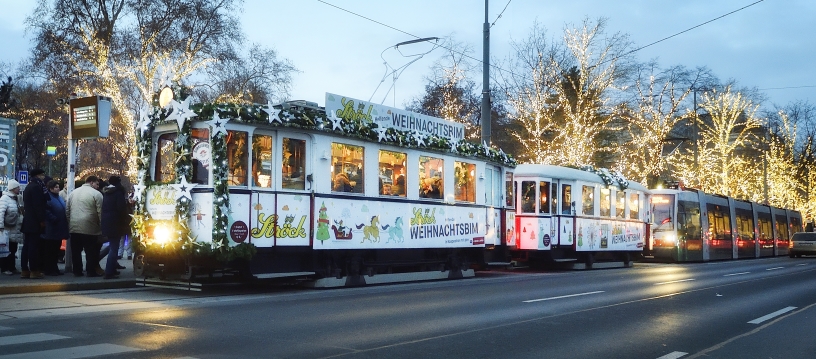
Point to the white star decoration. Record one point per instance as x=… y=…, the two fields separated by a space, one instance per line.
x=454 y=144
x=181 y=112
x=273 y=113
x=217 y=124
x=144 y=121
x=337 y=123
x=420 y=138
x=138 y=190
x=225 y=210
x=183 y=188
x=380 y=134
x=486 y=148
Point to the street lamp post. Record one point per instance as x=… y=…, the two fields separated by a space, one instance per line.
x=485 y=120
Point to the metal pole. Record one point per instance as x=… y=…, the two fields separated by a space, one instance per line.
x=485 y=121
x=69 y=185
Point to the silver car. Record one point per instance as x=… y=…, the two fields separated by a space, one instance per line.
x=803 y=243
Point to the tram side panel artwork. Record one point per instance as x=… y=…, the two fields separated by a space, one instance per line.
x=535 y=233
x=201 y=217
x=363 y=224
x=609 y=235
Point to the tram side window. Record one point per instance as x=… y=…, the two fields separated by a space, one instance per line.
x=588 y=200
x=262 y=161
x=782 y=228
x=509 y=190
x=431 y=177
x=745 y=225
x=165 y=170
x=719 y=222
x=237 y=158
x=620 y=204
x=634 y=205
x=554 y=198
x=293 y=164
x=392 y=173
x=544 y=190
x=465 y=181
x=202 y=155
x=765 y=231
x=566 y=199
x=688 y=220
x=606 y=202
x=347 y=168
x=528 y=196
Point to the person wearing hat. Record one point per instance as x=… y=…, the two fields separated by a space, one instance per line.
x=10 y=224
x=35 y=198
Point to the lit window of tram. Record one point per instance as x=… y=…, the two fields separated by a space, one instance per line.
x=566 y=199
x=293 y=166
x=620 y=204
x=528 y=196
x=347 y=168
x=262 y=161
x=634 y=205
x=606 y=202
x=544 y=190
x=202 y=155
x=465 y=189
x=431 y=177
x=392 y=173
x=237 y=158
x=588 y=200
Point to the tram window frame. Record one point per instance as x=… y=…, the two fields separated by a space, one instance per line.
x=165 y=156
x=745 y=224
x=396 y=173
x=431 y=180
x=237 y=158
x=543 y=192
x=719 y=222
x=620 y=204
x=528 y=200
x=293 y=164
x=782 y=227
x=509 y=190
x=588 y=200
x=201 y=156
x=348 y=170
x=263 y=160
x=464 y=181
x=765 y=227
x=606 y=202
x=566 y=199
x=634 y=201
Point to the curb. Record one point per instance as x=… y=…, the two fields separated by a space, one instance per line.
x=60 y=287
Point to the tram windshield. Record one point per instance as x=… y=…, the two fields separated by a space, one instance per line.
x=663 y=212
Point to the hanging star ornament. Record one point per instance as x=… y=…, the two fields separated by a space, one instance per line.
x=420 y=139
x=218 y=125
x=337 y=122
x=272 y=112
x=144 y=121
x=381 y=133
x=138 y=190
x=183 y=188
x=454 y=145
x=181 y=112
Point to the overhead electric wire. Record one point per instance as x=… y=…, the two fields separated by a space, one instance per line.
x=500 y=14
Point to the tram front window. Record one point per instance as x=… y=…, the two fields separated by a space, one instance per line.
x=465 y=190
x=566 y=199
x=237 y=158
x=202 y=156
x=294 y=164
x=262 y=161
x=528 y=196
x=165 y=170
x=347 y=168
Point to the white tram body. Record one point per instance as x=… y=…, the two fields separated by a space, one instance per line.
x=329 y=201
x=568 y=213
x=690 y=225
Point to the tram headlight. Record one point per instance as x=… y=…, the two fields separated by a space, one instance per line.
x=162 y=234
x=670 y=239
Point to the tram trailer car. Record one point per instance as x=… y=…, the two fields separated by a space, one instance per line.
x=568 y=214
x=331 y=203
x=690 y=225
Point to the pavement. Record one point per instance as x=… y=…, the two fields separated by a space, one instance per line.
x=13 y=284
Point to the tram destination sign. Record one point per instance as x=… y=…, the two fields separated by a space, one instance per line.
x=389 y=117
x=90 y=117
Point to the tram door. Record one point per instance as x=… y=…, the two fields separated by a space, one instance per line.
x=534 y=220
x=280 y=206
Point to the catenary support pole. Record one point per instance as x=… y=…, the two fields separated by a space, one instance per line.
x=485 y=120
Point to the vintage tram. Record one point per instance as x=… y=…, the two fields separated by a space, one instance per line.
x=347 y=192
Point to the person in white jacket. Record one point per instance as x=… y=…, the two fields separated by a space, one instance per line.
x=84 y=210
x=10 y=221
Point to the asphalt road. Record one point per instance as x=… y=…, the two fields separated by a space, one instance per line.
x=741 y=309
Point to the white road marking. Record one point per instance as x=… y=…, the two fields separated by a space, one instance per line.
x=673 y=355
x=29 y=338
x=675 y=281
x=5 y=328
x=769 y=316
x=85 y=351
x=563 y=296
x=740 y=273
x=801 y=264
x=775 y=268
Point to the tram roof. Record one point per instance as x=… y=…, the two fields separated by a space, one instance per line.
x=560 y=172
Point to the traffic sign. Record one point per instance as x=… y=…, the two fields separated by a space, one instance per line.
x=22 y=177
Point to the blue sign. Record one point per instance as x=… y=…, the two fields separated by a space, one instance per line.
x=22 y=177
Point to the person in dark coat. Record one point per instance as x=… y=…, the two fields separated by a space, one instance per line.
x=56 y=229
x=115 y=221
x=35 y=198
